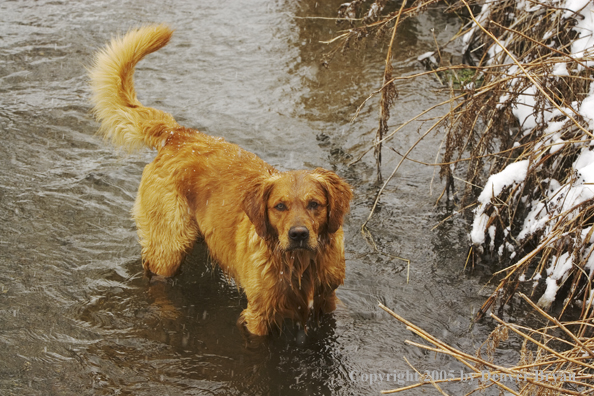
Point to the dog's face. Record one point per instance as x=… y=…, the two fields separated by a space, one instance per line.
x=296 y=208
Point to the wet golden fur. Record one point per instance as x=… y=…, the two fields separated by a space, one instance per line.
x=278 y=234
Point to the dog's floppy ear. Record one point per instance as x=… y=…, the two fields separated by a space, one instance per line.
x=254 y=204
x=339 y=195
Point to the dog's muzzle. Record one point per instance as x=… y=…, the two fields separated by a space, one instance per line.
x=299 y=238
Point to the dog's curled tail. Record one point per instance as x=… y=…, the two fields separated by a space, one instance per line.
x=124 y=120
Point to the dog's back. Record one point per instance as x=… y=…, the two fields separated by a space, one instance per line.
x=193 y=186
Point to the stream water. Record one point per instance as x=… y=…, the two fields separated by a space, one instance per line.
x=77 y=317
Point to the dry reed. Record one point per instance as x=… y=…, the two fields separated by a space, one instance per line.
x=540 y=369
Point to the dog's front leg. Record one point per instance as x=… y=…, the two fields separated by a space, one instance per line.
x=324 y=302
x=254 y=322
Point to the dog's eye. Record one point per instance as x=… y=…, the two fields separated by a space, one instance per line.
x=313 y=205
x=280 y=206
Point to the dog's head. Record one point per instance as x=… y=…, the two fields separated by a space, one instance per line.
x=297 y=208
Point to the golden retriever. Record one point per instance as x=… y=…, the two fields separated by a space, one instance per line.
x=278 y=234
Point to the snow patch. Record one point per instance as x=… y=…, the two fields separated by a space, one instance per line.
x=512 y=174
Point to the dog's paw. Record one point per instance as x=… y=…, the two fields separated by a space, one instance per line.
x=154 y=278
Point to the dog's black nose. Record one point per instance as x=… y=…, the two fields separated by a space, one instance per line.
x=299 y=233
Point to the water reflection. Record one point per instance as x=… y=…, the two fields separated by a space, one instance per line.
x=188 y=326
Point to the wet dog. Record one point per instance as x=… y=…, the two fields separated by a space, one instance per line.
x=278 y=234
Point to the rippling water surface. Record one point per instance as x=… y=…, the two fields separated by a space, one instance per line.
x=76 y=315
